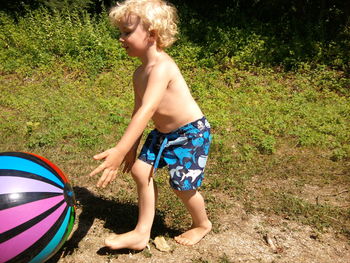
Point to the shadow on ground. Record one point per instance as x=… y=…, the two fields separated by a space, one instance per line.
x=118 y=217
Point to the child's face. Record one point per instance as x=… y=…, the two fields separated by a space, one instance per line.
x=134 y=37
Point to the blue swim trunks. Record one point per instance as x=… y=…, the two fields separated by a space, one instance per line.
x=184 y=151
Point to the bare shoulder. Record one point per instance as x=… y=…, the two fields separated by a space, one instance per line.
x=162 y=73
x=165 y=65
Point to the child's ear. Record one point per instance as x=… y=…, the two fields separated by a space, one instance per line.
x=153 y=35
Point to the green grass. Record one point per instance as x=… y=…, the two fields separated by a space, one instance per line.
x=253 y=119
x=71 y=99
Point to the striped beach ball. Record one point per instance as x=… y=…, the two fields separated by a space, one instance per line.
x=37 y=210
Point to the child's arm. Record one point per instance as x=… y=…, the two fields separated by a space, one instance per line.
x=130 y=157
x=154 y=91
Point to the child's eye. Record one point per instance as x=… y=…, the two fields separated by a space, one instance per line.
x=126 y=33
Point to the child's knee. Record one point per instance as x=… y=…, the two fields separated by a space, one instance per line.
x=141 y=172
x=136 y=172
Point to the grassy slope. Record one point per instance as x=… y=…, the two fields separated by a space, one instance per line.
x=275 y=134
x=281 y=142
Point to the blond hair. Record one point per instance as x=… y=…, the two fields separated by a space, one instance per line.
x=156 y=15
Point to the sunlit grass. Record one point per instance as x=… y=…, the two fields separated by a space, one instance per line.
x=268 y=125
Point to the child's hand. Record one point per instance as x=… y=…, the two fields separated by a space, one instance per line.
x=110 y=166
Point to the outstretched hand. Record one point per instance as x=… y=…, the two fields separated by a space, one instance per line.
x=110 y=166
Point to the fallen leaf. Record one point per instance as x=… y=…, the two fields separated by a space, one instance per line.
x=269 y=241
x=161 y=244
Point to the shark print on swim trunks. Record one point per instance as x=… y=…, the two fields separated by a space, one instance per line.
x=184 y=151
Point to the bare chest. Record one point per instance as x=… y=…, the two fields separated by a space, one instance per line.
x=140 y=86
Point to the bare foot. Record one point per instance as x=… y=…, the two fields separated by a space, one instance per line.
x=194 y=235
x=131 y=240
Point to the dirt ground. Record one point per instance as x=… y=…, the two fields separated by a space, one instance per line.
x=238 y=237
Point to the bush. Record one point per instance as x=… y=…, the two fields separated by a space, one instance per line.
x=41 y=38
x=271 y=33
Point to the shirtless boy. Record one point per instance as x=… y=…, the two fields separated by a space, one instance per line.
x=181 y=136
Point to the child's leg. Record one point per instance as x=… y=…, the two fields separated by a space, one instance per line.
x=201 y=225
x=147 y=194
